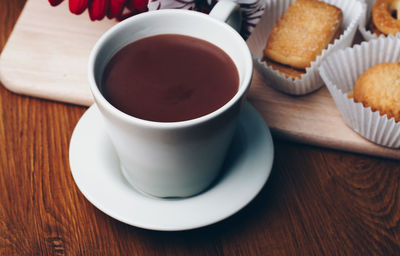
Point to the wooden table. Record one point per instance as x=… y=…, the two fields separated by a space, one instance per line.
x=316 y=202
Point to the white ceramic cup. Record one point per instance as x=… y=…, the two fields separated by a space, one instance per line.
x=173 y=159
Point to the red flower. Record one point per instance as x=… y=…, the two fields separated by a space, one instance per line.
x=116 y=8
x=98 y=9
x=55 y=2
x=78 y=6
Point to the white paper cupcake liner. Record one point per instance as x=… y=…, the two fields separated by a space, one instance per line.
x=340 y=71
x=353 y=12
x=363 y=28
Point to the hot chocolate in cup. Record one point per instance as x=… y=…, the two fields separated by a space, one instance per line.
x=168 y=157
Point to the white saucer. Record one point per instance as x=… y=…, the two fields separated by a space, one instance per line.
x=95 y=168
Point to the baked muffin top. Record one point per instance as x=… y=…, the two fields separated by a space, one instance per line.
x=302 y=32
x=379 y=88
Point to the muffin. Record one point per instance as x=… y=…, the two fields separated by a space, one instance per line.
x=382 y=19
x=379 y=89
x=302 y=32
x=293 y=80
x=288 y=71
x=386 y=17
x=364 y=82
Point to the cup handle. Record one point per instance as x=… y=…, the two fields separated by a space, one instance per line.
x=229 y=12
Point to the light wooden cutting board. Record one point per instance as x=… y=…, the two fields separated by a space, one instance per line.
x=46 y=56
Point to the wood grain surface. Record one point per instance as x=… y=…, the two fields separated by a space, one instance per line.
x=316 y=202
x=47 y=53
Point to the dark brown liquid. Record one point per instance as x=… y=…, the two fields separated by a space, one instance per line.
x=170 y=78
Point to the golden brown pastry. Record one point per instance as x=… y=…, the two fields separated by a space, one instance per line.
x=302 y=32
x=379 y=88
x=374 y=29
x=386 y=16
x=288 y=71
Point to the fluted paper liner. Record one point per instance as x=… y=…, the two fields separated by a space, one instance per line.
x=363 y=28
x=340 y=71
x=353 y=13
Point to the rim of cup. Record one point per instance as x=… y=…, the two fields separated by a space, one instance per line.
x=243 y=86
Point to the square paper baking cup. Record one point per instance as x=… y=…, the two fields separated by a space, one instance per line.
x=363 y=28
x=340 y=71
x=353 y=12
